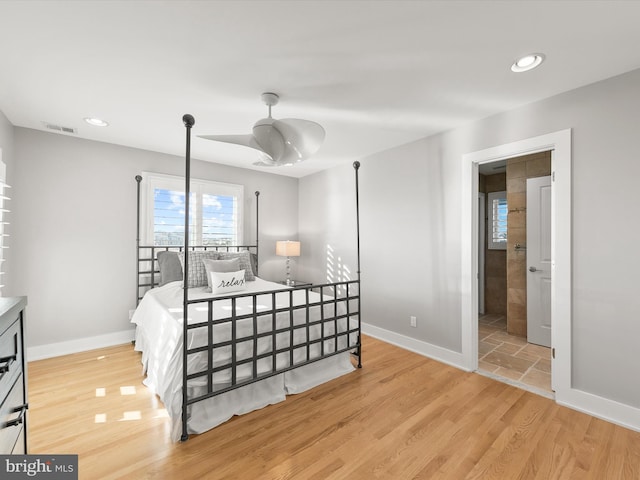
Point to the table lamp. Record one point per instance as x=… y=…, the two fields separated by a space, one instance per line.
x=288 y=248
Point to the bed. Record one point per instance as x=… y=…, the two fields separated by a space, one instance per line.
x=249 y=342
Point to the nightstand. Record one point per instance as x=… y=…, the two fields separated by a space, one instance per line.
x=296 y=283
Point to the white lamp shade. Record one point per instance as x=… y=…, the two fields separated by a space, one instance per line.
x=287 y=248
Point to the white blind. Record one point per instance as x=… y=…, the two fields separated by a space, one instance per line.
x=3 y=223
x=168 y=217
x=215 y=216
x=219 y=219
x=498 y=211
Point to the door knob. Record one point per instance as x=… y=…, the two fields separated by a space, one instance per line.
x=533 y=269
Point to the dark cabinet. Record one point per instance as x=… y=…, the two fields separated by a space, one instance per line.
x=13 y=376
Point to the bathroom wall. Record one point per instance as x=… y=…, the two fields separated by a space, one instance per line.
x=495 y=297
x=518 y=170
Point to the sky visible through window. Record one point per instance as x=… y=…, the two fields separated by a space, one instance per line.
x=212 y=218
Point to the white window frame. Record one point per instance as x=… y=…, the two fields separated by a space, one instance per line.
x=151 y=181
x=492 y=243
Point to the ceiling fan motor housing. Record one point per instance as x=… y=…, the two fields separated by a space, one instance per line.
x=270 y=99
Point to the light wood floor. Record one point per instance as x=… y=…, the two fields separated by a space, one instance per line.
x=402 y=416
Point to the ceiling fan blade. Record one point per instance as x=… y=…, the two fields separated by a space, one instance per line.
x=265 y=164
x=302 y=138
x=247 y=140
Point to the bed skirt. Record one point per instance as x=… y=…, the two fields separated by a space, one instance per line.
x=207 y=414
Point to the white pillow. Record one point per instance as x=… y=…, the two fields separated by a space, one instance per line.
x=227 y=282
x=232 y=265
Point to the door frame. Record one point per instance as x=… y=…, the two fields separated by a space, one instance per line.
x=482 y=238
x=561 y=313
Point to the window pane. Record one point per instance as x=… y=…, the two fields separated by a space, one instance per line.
x=215 y=217
x=168 y=217
x=219 y=220
x=499 y=207
x=498 y=211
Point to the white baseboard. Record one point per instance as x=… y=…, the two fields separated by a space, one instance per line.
x=40 y=352
x=594 y=405
x=435 y=352
x=600 y=407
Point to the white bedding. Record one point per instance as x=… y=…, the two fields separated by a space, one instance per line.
x=159 y=333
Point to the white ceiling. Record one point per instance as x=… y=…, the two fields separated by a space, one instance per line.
x=375 y=74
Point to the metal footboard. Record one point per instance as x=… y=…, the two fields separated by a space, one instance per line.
x=328 y=325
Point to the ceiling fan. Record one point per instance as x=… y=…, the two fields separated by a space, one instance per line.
x=280 y=142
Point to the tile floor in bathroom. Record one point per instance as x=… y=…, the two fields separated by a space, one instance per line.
x=511 y=357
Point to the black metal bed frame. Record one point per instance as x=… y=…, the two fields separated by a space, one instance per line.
x=338 y=302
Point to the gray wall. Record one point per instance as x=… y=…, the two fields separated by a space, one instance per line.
x=74 y=229
x=6 y=139
x=327 y=229
x=411 y=249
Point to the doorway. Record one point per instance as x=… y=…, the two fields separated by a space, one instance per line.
x=561 y=312
x=509 y=346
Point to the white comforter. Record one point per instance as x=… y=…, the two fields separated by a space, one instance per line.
x=159 y=319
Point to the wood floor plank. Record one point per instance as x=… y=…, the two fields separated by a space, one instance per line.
x=402 y=416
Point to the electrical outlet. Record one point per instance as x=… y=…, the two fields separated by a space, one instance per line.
x=413 y=320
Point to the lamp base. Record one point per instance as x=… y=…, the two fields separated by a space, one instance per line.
x=288 y=281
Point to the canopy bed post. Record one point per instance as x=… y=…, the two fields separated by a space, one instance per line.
x=189 y=121
x=331 y=335
x=257 y=229
x=356 y=167
x=138 y=180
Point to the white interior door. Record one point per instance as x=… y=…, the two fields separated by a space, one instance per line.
x=539 y=261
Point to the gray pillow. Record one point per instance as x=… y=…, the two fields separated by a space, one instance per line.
x=170 y=267
x=245 y=262
x=254 y=263
x=220 y=266
x=197 y=273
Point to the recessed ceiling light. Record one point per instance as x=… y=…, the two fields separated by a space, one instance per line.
x=528 y=62
x=96 y=122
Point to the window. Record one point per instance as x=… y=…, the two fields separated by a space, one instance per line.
x=215 y=216
x=3 y=210
x=497 y=228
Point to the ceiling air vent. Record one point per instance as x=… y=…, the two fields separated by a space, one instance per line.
x=59 y=128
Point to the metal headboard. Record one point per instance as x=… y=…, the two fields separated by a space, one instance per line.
x=147 y=268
